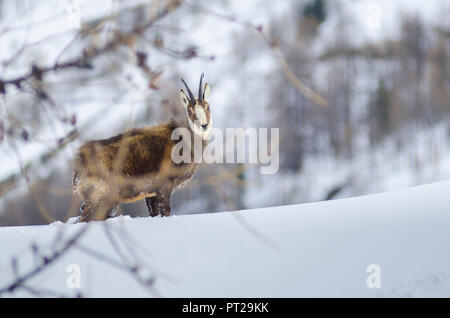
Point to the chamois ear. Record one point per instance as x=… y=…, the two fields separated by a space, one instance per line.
x=184 y=99
x=206 y=93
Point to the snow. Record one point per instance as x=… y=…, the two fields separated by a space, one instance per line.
x=307 y=250
x=318 y=249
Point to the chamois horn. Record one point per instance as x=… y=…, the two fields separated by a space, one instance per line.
x=200 y=95
x=191 y=96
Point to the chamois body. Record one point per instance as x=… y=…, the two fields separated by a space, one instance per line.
x=137 y=165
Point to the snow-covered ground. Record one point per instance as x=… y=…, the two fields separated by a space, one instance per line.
x=315 y=249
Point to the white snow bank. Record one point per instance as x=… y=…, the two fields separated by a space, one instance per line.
x=316 y=249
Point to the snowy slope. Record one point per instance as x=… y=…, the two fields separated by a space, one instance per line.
x=316 y=249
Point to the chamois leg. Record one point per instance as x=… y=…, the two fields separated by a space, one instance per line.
x=159 y=204
x=164 y=204
x=96 y=211
x=149 y=201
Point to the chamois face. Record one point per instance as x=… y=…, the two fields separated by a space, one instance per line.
x=198 y=110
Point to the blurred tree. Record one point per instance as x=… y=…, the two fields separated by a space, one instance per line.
x=439 y=59
x=380 y=114
x=412 y=57
x=316 y=9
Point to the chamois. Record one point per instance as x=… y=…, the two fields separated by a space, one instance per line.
x=137 y=164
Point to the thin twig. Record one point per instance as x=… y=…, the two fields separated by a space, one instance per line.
x=47 y=261
x=289 y=75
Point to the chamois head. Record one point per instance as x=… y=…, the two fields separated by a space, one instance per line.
x=198 y=111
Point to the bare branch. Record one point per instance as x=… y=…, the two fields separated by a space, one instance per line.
x=46 y=262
